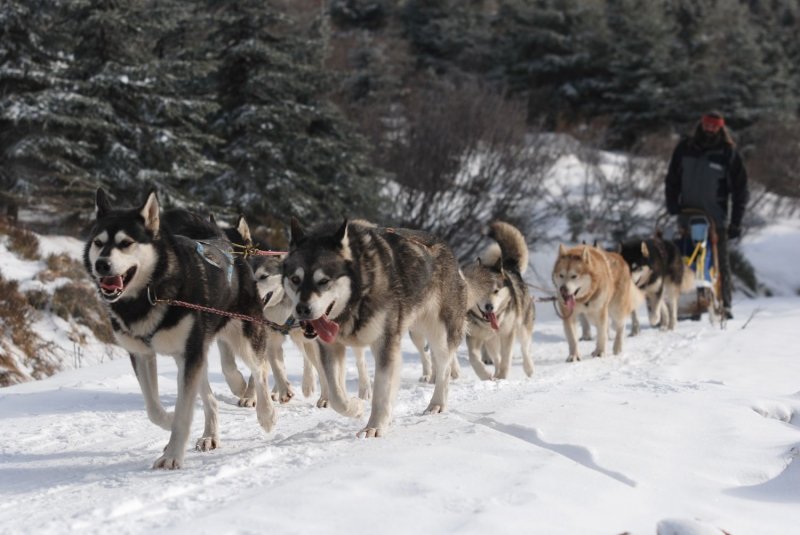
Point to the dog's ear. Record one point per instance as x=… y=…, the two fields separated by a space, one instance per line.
x=101 y=203
x=499 y=265
x=212 y=219
x=645 y=250
x=562 y=251
x=297 y=234
x=340 y=236
x=150 y=212
x=244 y=230
x=585 y=256
x=619 y=247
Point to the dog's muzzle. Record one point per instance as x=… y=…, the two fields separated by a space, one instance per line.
x=323 y=327
x=568 y=298
x=112 y=286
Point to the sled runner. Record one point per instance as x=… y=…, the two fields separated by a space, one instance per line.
x=697 y=241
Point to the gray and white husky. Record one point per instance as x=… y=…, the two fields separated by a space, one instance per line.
x=245 y=390
x=140 y=256
x=501 y=308
x=363 y=285
x=278 y=309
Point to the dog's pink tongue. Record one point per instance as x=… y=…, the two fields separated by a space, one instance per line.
x=568 y=298
x=325 y=328
x=493 y=320
x=111 y=283
x=569 y=301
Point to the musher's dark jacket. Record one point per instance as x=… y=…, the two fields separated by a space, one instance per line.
x=704 y=177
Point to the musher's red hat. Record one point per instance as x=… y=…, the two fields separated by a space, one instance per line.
x=713 y=121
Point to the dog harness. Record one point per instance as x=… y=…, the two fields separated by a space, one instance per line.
x=218 y=253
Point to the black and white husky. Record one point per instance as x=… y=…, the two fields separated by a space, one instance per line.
x=138 y=257
x=657 y=268
x=363 y=285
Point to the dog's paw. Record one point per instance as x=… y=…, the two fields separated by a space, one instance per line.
x=455 y=372
x=573 y=358
x=365 y=393
x=168 y=462
x=355 y=408
x=285 y=397
x=527 y=368
x=308 y=389
x=426 y=379
x=247 y=402
x=371 y=432
x=207 y=443
x=434 y=408
x=322 y=403
x=598 y=354
x=585 y=337
x=267 y=419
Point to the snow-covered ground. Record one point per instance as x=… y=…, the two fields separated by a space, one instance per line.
x=687 y=432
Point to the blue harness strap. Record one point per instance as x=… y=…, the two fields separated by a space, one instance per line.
x=223 y=252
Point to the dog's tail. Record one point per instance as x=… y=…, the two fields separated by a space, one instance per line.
x=512 y=244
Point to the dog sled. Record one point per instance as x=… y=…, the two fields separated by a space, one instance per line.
x=697 y=241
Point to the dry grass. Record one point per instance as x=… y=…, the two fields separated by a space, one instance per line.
x=78 y=300
x=38 y=299
x=15 y=325
x=75 y=300
x=21 y=241
x=62 y=265
x=9 y=373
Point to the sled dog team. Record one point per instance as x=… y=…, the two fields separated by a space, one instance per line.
x=173 y=283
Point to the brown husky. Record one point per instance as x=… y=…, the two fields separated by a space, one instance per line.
x=597 y=284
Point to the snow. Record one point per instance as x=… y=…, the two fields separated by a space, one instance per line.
x=687 y=432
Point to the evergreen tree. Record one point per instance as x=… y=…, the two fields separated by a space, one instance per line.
x=289 y=151
x=220 y=105
x=554 y=52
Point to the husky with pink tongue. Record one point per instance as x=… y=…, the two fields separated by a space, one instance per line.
x=500 y=305
x=597 y=284
x=362 y=285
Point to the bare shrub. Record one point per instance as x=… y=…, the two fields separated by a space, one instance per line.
x=773 y=158
x=620 y=195
x=460 y=159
